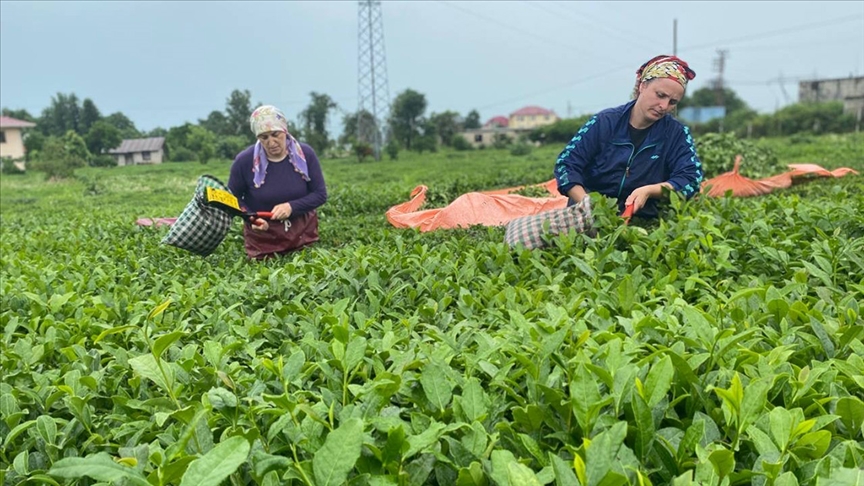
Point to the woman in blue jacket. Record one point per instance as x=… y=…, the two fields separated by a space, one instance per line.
x=633 y=151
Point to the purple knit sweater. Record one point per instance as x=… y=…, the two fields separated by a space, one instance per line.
x=282 y=184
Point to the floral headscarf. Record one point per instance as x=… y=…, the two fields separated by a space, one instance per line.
x=664 y=67
x=268 y=118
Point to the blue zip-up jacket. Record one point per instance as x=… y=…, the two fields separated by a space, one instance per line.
x=601 y=158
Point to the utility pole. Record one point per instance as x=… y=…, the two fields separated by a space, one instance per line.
x=720 y=66
x=569 y=109
x=373 y=96
x=675 y=37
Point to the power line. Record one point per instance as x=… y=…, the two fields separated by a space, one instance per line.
x=795 y=29
x=581 y=18
x=512 y=28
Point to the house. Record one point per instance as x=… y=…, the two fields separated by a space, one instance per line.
x=11 y=139
x=497 y=121
x=519 y=122
x=848 y=90
x=140 y=151
x=487 y=135
x=531 y=117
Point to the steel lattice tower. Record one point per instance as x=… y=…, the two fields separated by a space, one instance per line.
x=373 y=96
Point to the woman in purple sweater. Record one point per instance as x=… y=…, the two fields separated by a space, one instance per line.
x=280 y=175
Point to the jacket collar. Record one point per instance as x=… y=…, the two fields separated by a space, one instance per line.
x=622 y=128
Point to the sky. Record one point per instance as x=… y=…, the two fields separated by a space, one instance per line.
x=166 y=63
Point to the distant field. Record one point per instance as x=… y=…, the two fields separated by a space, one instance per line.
x=721 y=345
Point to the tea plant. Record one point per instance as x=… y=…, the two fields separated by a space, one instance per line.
x=719 y=345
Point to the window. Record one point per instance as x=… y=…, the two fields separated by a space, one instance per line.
x=478 y=138
x=2 y=136
x=546 y=117
x=145 y=156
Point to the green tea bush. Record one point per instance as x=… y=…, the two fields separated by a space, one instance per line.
x=717 y=151
x=720 y=345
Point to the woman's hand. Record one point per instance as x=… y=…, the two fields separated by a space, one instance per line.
x=260 y=224
x=640 y=196
x=282 y=211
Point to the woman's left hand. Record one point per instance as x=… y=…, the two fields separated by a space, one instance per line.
x=282 y=211
x=639 y=197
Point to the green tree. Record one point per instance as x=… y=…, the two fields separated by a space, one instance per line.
x=124 y=124
x=202 y=142
x=217 y=123
x=238 y=109
x=60 y=156
x=406 y=117
x=156 y=132
x=21 y=114
x=62 y=115
x=102 y=136
x=446 y=126
x=34 y=141
x=708 y=97
x=227 y=147
x=177 y=141
x=472 y=120
x=89 y=115
x=314 y=120
x=76 y=147
x=351 y=125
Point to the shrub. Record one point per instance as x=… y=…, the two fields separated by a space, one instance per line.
x=7 y=166
x=103 y=160
x=717 y=152
x=392 y=149
x=56 y=161
x=461 y=143
x=182 y=154
x=363 y=150
x=521 y=149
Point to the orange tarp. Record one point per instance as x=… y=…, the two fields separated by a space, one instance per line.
x=743 y=187
x=488 y=208
x=498 y=207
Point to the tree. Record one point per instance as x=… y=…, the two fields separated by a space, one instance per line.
x=314 y=120
x=76 y=147
x=62 y=115
x=124 y=124
x=238 y=109
x=217 y=123
x=350 y=125
x=156 y=132
x=406 y=117
x=176 y=141
x=60 y=156
x=472 y=120
x=102 y=136
x=21 y=114
x=89 y=115
x=708 y=97
x=202 y=142
x=446 y=126
x=34 y=141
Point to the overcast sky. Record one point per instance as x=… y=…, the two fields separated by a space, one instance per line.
x=165 y=63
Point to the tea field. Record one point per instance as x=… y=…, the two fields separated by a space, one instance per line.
x=722 y=345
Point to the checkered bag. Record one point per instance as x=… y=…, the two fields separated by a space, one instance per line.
x=200 y=228
x=531 y=231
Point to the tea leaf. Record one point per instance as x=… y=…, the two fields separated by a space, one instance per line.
x=97 y=466
x=335 y=459
x=216 y=465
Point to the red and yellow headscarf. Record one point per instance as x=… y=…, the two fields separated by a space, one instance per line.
x=664 y=67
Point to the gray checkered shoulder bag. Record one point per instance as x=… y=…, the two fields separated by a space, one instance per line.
x=533 y=231
x=200 y=228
